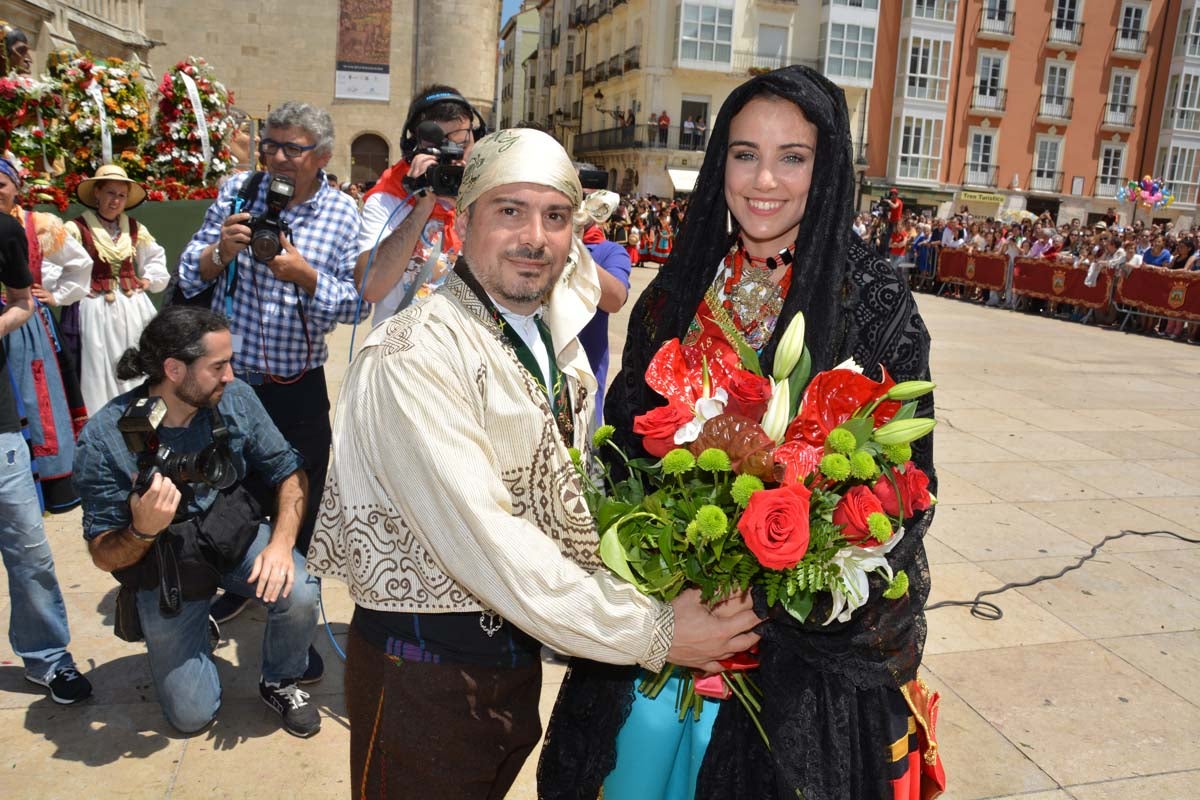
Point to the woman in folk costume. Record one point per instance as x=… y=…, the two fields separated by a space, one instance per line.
x=39 y=365
x=126 y=263
x=768 y=235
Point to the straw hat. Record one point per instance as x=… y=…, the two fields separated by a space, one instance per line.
x=110 y=172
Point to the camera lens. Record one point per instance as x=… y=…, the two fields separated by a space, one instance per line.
x=264 y=243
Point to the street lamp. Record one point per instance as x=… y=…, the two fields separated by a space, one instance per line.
x=612 y=112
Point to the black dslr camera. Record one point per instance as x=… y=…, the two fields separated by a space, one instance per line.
x=266 y=228
x=213 y=465
x=445 y=177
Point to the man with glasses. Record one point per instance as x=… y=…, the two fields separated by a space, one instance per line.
x=408 y=246
x=281 y=310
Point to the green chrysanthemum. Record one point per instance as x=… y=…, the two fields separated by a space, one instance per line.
x=714 y=460
x=602 y=435
x=880 y=527
x=862 y=466
x=841 y=441
x=693 y=532
x=711 y=522
x=677 y=462
x=835 y=466
x=576 y=459
x=897 y=453
x=743 y=487
x=898 y=587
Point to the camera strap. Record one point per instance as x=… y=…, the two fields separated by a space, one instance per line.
x=244 y=199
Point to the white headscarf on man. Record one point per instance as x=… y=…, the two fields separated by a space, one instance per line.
x=526 y=155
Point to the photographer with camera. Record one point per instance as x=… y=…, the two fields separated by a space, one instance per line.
x=408 y=245
x=277 y=249
x=176 y=476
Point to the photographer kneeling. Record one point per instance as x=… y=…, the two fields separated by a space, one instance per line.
x=176 y=480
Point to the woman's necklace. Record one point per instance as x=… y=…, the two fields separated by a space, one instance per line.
x=111 y=226
x=751 y=295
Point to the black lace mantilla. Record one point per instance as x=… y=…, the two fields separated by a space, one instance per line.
x=829 y=688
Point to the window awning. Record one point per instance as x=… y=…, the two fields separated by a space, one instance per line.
x=684 y=180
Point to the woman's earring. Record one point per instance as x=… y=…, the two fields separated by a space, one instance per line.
x=729 y=221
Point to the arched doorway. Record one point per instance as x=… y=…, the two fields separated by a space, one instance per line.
x=369 y=157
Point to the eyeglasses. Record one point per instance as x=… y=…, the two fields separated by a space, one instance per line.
x=291 y=150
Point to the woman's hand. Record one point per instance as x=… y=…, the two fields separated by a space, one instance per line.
x=43 y=296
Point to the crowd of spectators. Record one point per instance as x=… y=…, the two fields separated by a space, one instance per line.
x=915 y=242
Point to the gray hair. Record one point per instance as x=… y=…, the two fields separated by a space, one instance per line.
x=315 y=121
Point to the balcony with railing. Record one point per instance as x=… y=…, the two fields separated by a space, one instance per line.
x=569 y=68
x=1045 y=180
x=936 y=10
x=1054 y=108
x=552 y=78
x=129 y=16
x=555 y=37
x=746 y=62
x=579 y=63
x=589 y=77
x=998 y=25
x=642 y=136
x=1064 y=34
x=1119 y=116
x=633 y=58
x=979 y=174
x=1107 y=185
x=988 y=100
x=579 y=17
x=615 y=67
x=601 y=73
x=593 y=13
x=1183 y=119
x=1130 y=42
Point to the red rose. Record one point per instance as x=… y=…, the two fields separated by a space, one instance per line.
x=657 y=427
x=748 y=395
x=853 y=511
x=775 y=525
x=914 y=491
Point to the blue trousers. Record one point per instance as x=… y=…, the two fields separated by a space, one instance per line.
x=657 y=755
x=37 y=626
x=189 y=689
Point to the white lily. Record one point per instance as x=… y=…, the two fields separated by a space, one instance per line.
x=776 y=418
x=790 y=348
x=706 y=409
x=851 y=365
x=855 y=564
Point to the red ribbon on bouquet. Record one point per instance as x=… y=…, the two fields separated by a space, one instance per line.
x=713 y=685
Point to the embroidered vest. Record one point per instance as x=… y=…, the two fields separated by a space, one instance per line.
x=103 y=272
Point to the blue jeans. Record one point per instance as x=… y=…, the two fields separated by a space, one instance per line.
x=37 y=625
x=189 y=689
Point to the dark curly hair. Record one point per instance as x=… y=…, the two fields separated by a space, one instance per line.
x=177 y=332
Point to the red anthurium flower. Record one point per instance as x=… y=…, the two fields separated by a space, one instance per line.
x=832 y=397
x=795 y=460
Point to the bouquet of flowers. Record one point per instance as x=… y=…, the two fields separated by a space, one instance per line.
x=30 y=127
x=104 y=99
x=796 y=486
x=182 y=130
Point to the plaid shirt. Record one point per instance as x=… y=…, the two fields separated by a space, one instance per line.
x=266 y=310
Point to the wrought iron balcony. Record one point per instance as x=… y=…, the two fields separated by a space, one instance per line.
x=1119 y=115
x=989 y=99
x=1130 y=41
x=1107 y=185
x=1044 y=180
x=1055 y=107
x=997 y=24
x=1065 y=33
x=633 y=58
x=979 y=174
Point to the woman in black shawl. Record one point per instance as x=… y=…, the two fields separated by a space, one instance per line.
x=844 y=712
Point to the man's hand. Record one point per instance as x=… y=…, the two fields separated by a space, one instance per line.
x=153 y=511
x=274 y=573
x=704 y=636
x=42 y=295
x=235 y=236
x=290 y=266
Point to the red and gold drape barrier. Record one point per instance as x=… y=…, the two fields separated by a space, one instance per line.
x=1060 y=283
x=985 y=270
x=1166 y=292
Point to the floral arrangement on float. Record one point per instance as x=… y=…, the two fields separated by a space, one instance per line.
x=191 y=127
x=107 y=113
x=30 y=129
x=795 y=485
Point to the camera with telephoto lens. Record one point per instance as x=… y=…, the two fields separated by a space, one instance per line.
x=445 y=177
x=266 y=227
x=212 y=465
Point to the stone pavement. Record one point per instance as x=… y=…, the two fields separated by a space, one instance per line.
x=1052 y=437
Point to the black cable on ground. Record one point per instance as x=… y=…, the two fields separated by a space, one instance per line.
x=990 y=611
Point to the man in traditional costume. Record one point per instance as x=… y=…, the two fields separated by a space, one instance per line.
x=454 y=512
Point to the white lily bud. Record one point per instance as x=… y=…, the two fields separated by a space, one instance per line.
x=791 y=347
x=775 y=421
